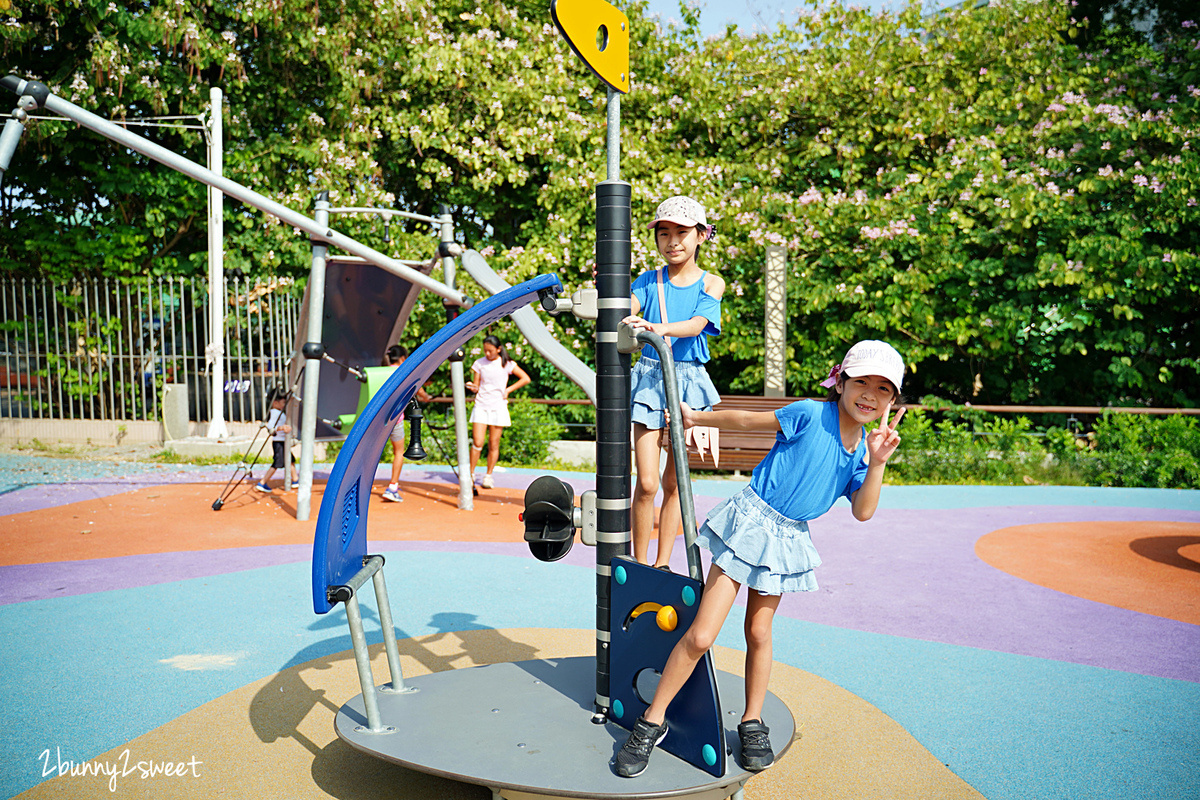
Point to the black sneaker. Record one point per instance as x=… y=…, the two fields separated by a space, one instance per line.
x=633 y=757
x=756 y=746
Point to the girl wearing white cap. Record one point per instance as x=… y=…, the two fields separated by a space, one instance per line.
x=760 y=537
x=681 y=303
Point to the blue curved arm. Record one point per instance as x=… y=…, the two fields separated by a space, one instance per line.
x=340 y=542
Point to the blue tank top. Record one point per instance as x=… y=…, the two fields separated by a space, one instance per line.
x=683 y=303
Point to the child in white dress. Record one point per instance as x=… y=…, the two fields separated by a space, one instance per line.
x=490 y=415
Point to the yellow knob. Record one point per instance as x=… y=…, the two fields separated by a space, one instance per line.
x=666 y=618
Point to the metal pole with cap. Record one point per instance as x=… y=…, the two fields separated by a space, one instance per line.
x=599 y=35
x=312 y=352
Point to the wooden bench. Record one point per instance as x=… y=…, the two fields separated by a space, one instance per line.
x=742 y=450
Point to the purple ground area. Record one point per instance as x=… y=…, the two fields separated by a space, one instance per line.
x=909 y=573
x=52 y=495
x=25 y=582
x=914 y=573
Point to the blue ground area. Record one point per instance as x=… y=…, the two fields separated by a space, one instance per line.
x=89 y=671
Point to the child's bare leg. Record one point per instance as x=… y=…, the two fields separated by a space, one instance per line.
x=494 y=434
x=760 y=616
x=719 y=594
x=645 y=487
x=478 y=432
x=670 y=516
x=397 y=461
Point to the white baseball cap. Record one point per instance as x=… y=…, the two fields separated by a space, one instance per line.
x=873 y=357
x=682 y=210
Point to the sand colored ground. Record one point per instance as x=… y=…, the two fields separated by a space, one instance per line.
x=277 y=740
x=1150 y=567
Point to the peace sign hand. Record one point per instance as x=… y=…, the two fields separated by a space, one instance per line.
x=882 y=441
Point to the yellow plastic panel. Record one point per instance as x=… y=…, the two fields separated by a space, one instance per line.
x=598 y=32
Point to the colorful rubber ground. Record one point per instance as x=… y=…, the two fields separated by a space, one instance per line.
x=995 y=642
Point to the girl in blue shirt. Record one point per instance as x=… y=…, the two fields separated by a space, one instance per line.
x=760 y=538
x=693 y=313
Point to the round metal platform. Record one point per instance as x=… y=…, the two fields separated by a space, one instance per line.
x=524 y=729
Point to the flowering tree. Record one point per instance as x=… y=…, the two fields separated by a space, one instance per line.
x=1018 y=216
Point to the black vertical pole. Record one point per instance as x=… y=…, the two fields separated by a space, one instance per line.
x=613 y=468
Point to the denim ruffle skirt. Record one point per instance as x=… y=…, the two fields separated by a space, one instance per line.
x=757 y=546
x=648 y=396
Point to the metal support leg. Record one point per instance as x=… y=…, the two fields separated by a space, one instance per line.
x=389 y=634
x=363 y=660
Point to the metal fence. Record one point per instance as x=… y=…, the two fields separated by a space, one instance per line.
x=102 y=348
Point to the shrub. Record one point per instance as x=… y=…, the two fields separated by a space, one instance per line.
x=1135 y=450
x=527 y=442
x=1123 y=450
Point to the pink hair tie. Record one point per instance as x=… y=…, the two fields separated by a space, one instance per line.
x=832 y=379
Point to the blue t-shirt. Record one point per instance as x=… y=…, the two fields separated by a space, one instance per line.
x=682 y=304
x=808 y=469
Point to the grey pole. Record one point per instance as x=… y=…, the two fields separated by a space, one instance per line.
x=466 y=498
x=216 y=271
x=312 y=363
x=613 y=468
x=613 y=138
x=389 y=632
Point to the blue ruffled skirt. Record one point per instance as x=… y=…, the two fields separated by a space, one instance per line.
x=757 y=546
x=648 y=396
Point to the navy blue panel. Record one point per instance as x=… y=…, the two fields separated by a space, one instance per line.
x=694 y=716
x=341 y=536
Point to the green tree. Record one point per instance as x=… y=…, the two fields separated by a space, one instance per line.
x=1017 y=215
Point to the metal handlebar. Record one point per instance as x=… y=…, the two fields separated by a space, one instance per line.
x=626 y=337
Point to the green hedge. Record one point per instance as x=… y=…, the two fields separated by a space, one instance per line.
x=1132 y=450
x=525 y=444
x=960 y=445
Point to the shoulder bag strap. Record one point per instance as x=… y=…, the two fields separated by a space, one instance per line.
x=662 y=303
x=694 y=438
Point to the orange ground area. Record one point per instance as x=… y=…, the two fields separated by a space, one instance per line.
x=1150 y=567
x=171 y=518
